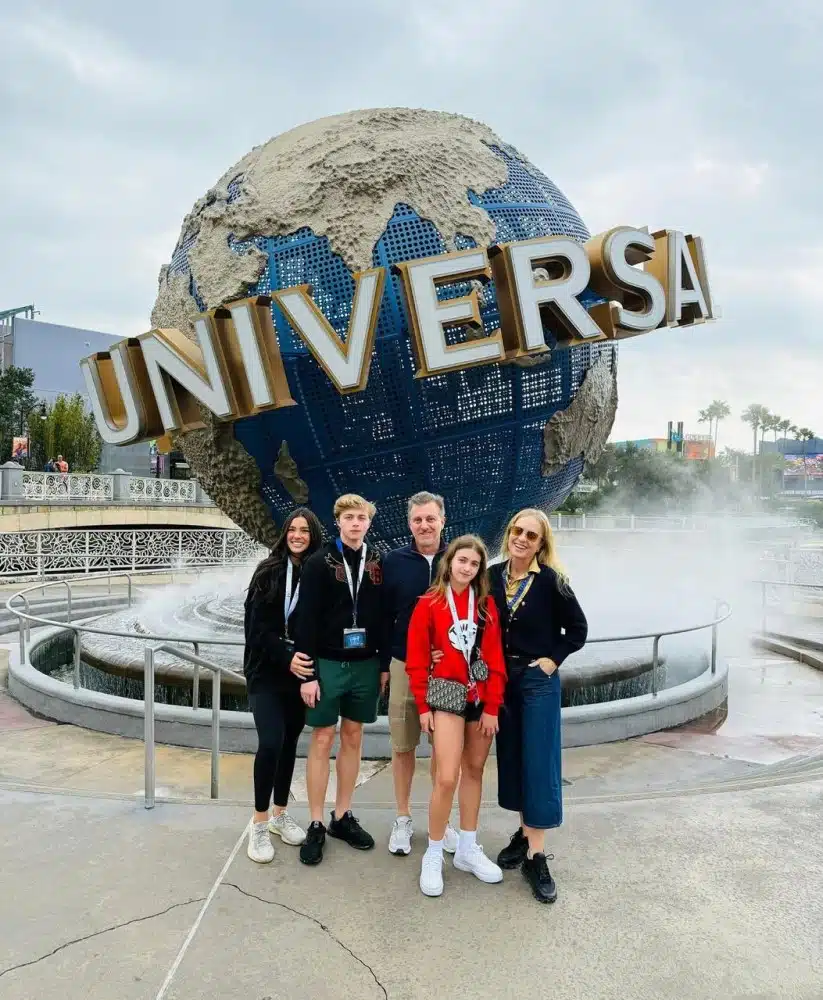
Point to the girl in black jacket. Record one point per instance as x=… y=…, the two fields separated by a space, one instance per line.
x=274 y=692
x=542 y=624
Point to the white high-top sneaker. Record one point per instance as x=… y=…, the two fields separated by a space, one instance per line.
x=431 y=872
x=475 y=861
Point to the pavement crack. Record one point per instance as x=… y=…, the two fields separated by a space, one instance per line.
x=94 y=934
x=320 y=924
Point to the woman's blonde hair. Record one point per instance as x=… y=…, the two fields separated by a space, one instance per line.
x=480 y=582
x=547 y=553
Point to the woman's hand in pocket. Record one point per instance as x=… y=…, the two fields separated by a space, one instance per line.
x=546 y=664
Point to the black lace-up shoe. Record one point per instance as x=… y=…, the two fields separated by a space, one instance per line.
x=347 y=828
x=514 y=855
x=536 y=872
x=311 y=850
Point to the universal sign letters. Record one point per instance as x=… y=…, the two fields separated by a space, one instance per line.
x=152 y=385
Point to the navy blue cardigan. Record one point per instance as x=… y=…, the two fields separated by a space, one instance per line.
x=548 y=622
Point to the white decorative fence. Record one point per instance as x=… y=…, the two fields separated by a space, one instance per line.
x=98 y=550
x=18 y=486
x=143 y=489
x=57 y=487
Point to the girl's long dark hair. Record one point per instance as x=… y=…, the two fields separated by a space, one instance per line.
x=265 y=574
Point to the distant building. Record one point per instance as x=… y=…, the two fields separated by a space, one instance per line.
x=696 y=447
x=802 y=464
x=53 y=352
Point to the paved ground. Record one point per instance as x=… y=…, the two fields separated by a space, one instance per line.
x=690 y=866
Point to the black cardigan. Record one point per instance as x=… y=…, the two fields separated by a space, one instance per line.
x=265 y=658
x=548 y=622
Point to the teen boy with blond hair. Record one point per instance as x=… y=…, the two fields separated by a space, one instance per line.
x=339 y=633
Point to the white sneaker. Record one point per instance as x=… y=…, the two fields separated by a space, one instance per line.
x=431 y=873
x=401 y=836
x=476 y=862
x=260 y=847
x=450 y=839
x=286 y=829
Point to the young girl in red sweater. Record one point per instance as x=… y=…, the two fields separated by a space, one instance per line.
x=458 y=699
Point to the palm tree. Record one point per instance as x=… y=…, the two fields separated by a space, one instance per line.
x=721 y=410
x=805 y=434
x=706 y=417
x=755 y=415
x=784 y=427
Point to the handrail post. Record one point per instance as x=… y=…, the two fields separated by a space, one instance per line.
x=77 y=650
x=195 y=679
x=68 y=601
x=148 y=726
x=655 y=661
x=215 y=733
x=128 y=580
x=714 y=636
x=22 y=622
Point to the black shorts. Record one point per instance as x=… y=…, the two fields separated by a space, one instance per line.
x=471 y=713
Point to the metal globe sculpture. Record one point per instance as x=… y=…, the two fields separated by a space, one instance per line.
x=375 y=188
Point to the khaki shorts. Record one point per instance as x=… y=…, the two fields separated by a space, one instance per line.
x=404 y=719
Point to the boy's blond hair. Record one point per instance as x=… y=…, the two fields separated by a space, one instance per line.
x=352 y=501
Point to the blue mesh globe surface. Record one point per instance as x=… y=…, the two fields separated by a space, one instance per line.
x=474 y=436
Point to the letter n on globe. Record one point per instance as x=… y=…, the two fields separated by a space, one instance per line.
x=428 y=316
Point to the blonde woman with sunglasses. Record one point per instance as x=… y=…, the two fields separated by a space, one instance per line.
x=542 y=624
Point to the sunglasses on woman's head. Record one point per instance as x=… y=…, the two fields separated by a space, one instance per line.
x=531 y=536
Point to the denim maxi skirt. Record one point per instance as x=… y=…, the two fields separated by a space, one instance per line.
x=528 y=748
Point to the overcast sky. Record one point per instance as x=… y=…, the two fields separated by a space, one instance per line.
x=703 y=117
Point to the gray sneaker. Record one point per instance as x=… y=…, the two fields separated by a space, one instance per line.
x=287 y=830
x=260 y=847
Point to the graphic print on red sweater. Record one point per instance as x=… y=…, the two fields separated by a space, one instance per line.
x=431 y=627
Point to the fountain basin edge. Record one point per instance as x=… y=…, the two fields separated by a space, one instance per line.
x=583 y=725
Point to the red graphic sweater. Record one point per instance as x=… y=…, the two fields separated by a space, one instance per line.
x=431 y=627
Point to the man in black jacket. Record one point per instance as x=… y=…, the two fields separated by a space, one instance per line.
x=340 y=631
x=407 y=574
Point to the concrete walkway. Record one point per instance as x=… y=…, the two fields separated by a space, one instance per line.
x=690 y=866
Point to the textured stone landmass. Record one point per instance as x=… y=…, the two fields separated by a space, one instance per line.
x=583 y=428
x=341 y=177
x=286 y=471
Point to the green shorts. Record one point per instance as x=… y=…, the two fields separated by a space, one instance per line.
x=348 y=690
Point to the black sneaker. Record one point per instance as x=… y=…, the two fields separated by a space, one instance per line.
x=311 y=850
x=514 y=855
x=537 y=874
x=347 y=828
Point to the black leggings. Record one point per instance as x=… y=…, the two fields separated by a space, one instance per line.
x=279 y=717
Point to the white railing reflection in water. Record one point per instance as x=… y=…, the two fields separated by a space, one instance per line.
x=171 y=644
x=99 y=550
x=53 y=487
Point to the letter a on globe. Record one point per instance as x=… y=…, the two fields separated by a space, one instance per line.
x=346 y=363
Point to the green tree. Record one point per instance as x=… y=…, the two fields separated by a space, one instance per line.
x=16 y=402
x=68 y=430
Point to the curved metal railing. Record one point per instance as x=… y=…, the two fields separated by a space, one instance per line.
x=168 y=644
x=764 y=603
